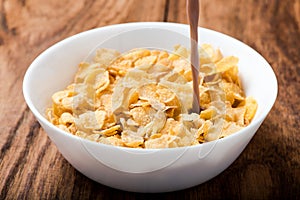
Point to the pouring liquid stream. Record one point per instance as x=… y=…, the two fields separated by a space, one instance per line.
x=193 y=17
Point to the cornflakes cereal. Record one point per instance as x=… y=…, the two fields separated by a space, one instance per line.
x=143 y=98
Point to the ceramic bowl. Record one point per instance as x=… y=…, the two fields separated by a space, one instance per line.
x=145 y=170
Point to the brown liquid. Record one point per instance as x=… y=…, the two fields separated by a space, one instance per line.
x=193 y=17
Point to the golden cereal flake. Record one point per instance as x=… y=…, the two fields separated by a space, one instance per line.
x=105 y=56
x=251 y=107
x=131 y=139
x=165 y=141
x=226 y=63
x=109 y=131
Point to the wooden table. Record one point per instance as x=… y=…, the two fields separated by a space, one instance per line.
x=31 y=167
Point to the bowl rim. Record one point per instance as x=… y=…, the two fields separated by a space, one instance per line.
x=25 y=87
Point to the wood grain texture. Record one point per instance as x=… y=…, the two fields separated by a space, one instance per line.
x=30 y=165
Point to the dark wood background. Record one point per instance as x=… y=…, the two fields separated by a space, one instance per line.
x=31 y=167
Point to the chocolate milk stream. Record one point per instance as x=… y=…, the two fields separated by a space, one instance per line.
x=192 y=8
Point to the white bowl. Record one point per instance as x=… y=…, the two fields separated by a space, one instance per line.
x=144 y=170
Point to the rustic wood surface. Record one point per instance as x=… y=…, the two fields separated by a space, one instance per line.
x=32 y=168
